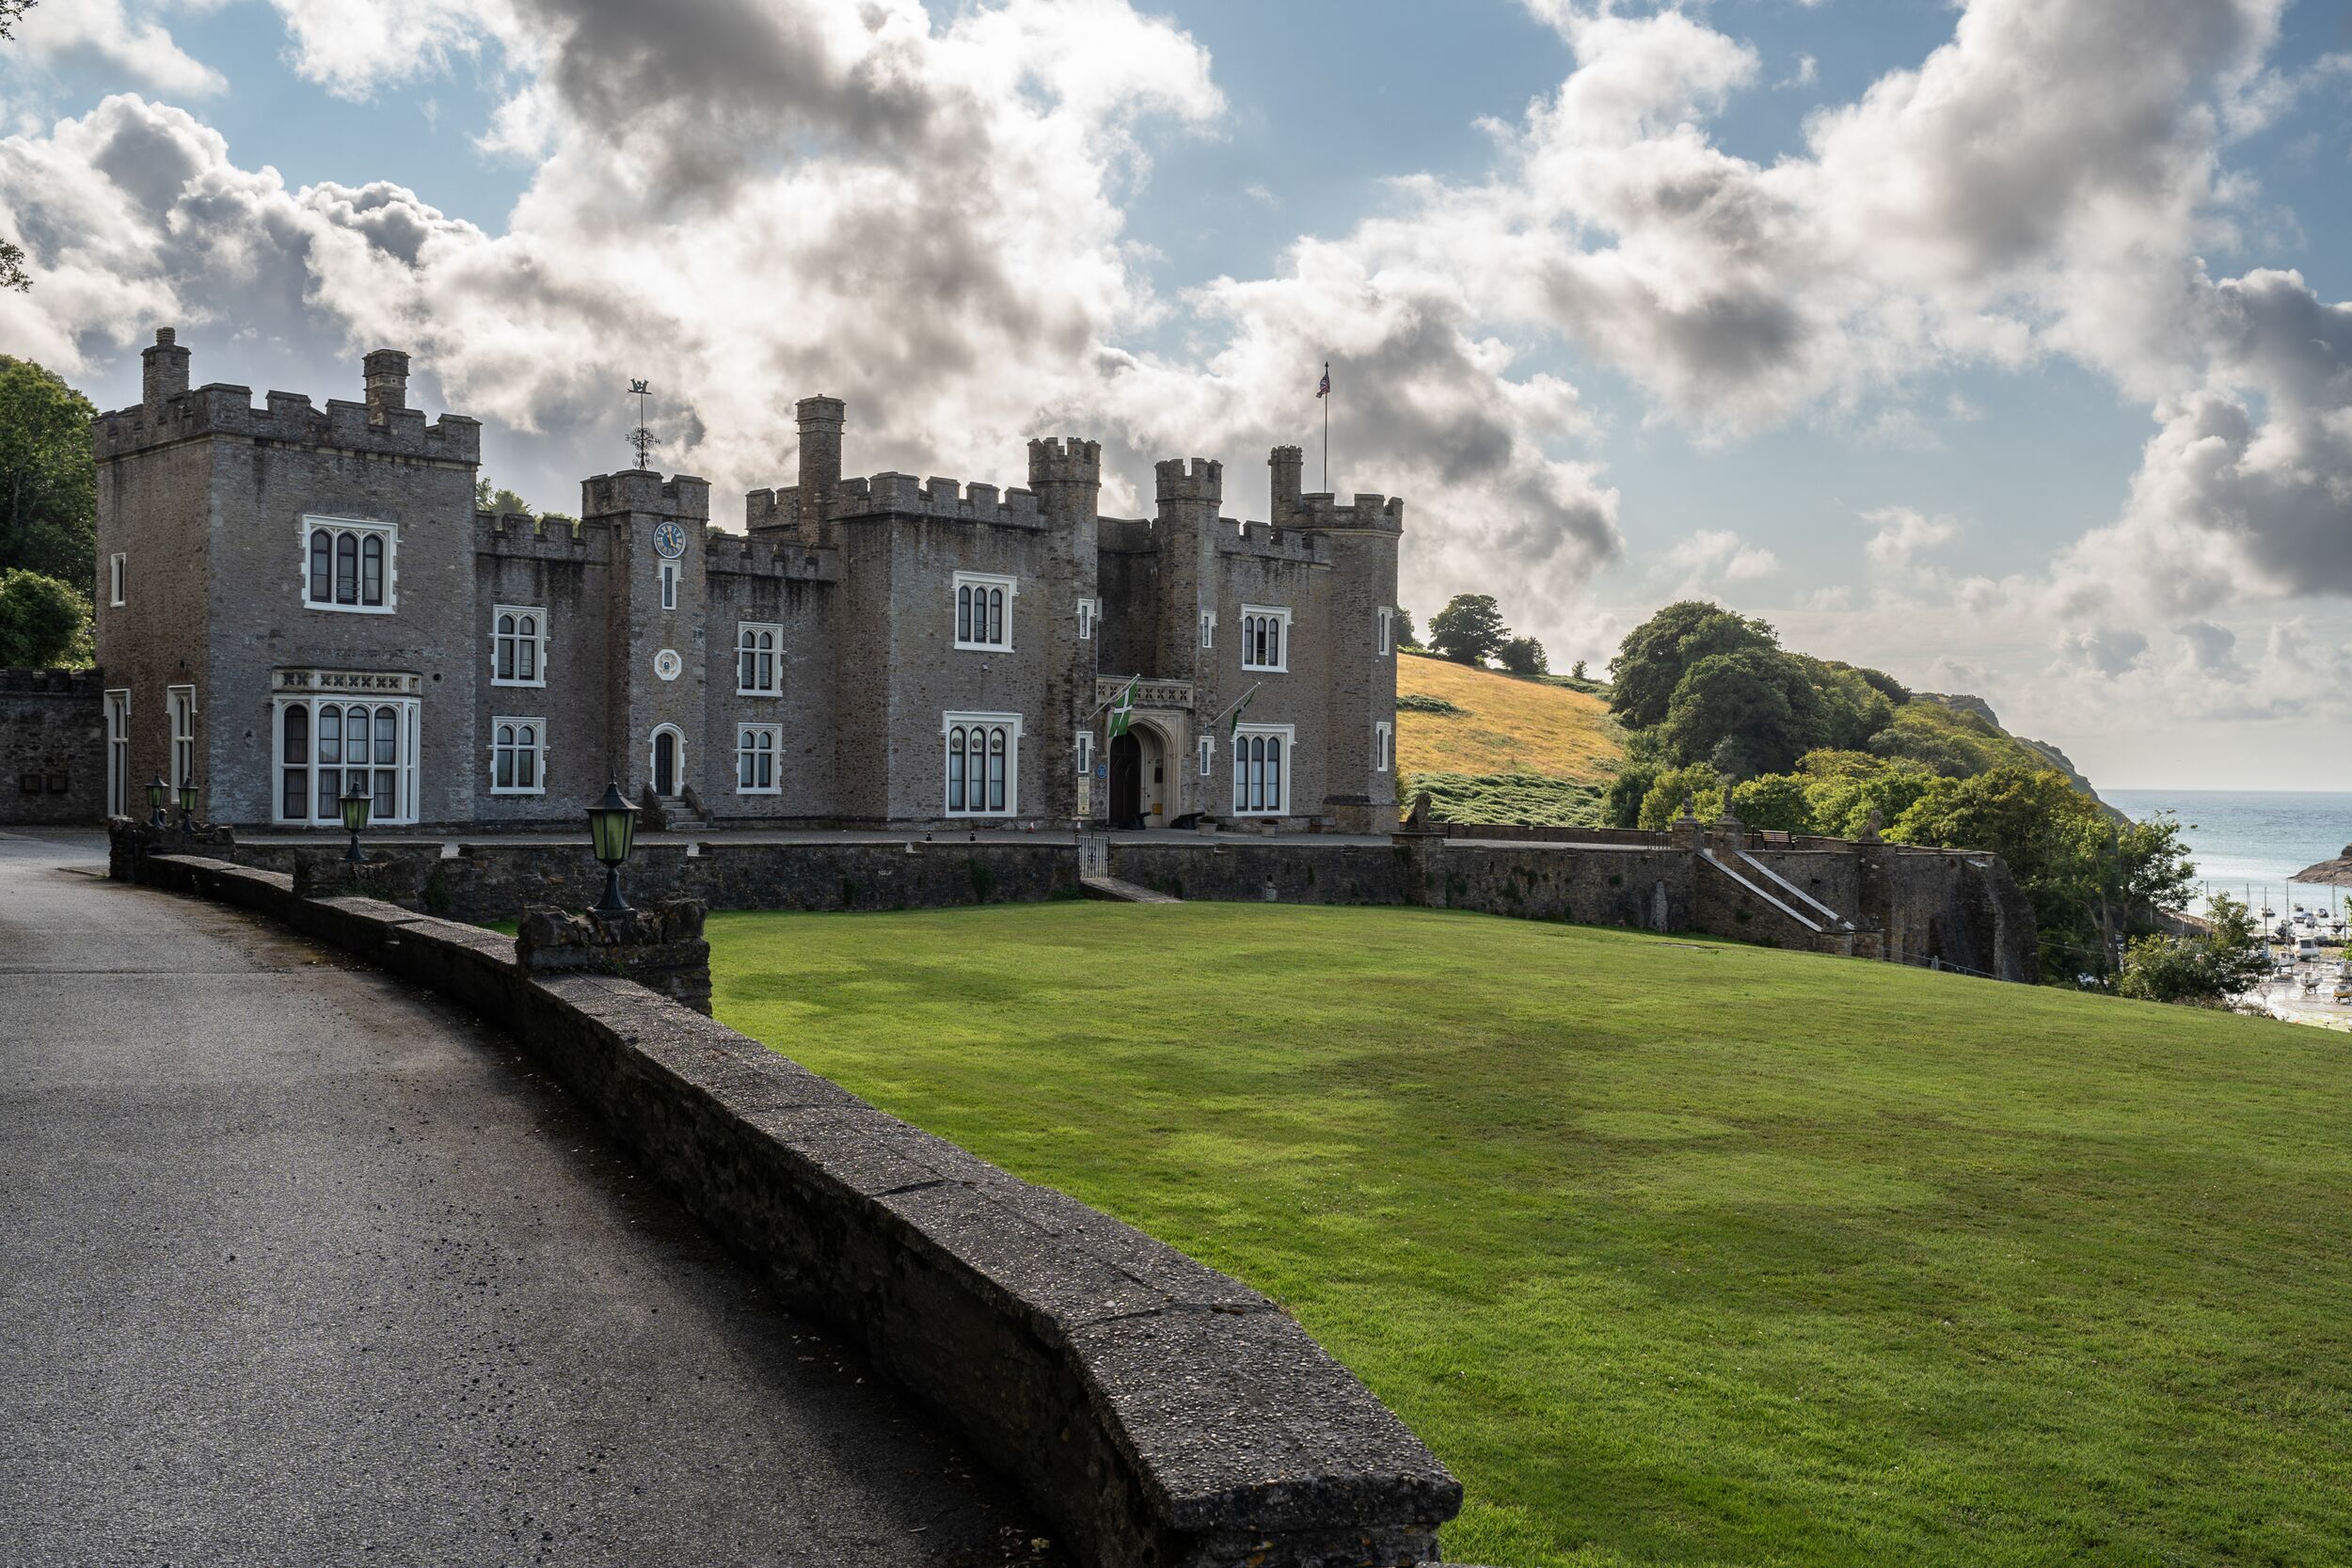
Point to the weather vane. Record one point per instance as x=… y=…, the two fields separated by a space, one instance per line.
x=641 y=437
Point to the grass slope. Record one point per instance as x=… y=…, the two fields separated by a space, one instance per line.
x=1677 y=1253
x=1507 y=725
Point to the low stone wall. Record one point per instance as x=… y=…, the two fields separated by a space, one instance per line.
x=53 y=747
x=1239 y=870
x=662 y=949
x=1164 y=1415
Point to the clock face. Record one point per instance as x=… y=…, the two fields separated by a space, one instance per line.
x=670 y=539
x=667 y=664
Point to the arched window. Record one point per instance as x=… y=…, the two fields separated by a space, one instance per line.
x=346 y=568
x=996 y=768
x=322 y=566
x=506 y=647
x=955 y=762
x=519 y=645
x=295 y=751
x=983 y=764
x=756 y=670
x=995 y=615
x=1258 y=772
x=755 y=759
x=1262 y=634
x=526 y=652
x=963 y=615
x=371 y=569
x=330 y=763
x=517 y=756
x=386 y=789
x=984 y=611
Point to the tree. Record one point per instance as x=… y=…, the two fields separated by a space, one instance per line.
x=1656 y=655
x=2209 y=969
x=1576 y=671
x=1469 y=629
x=1777 y=801
x=1747 y=712
x=1621 y=802
x=498 y=501
x=1406 y=636
x=2040 y=825
x=42 y=621
x=1523 y=656
x=48 y=477
x=1700 y=785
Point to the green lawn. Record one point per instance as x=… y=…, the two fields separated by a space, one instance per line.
x=1677 y=1253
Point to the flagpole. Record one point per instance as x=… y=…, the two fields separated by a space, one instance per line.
x=1327 y=429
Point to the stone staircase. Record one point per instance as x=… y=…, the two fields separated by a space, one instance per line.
x=679 y=817
x=1111 y=889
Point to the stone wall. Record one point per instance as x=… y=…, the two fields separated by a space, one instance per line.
x=53 y=747
x=1162 y=1414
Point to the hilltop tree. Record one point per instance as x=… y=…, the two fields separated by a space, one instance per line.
x=1406 y=636
x=1659 y=653
x=1469 y=629
x=48 y=477
x=42 y=622
x=1523 y=656
x=499 y=500
x=1748 y=711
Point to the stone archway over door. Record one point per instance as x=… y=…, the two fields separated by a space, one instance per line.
x=669 y=760
x=1124 y=798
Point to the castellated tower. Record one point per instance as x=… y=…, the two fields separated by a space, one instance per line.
x=1186 y=530
x=1067 y=476
x=1286 y=463
x=821 y=419
x=655 y=656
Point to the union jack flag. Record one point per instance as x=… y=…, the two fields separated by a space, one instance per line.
x=1325 y=391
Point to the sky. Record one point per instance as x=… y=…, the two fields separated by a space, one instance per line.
x=2005 y=345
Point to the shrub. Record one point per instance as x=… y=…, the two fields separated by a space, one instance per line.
x=1418 y=702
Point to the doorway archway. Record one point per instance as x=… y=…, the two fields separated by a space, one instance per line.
x=669 y=760
x=1124 y=798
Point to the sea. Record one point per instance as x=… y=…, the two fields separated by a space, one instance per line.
x=2252 y=840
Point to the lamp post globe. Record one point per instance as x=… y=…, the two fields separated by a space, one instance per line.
x=155 y=793
x=612 y=833
x=356 y=802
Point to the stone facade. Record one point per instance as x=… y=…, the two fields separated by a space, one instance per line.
x=53 y=748
x=312 y=602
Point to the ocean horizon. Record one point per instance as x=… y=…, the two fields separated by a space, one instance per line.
x=2248 y=843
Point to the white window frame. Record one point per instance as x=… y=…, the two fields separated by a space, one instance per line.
x=1285 y=765
x=1086 y=753
x=536 y=749
x=1383 y=745
x=1253 y=619
x=1089 y=611
x=1208 y=629
x=181 y=701
x=987 y=725
x=1206 y=759
x=747 y=748
x=538 y=638
x=117 y=709
x=360 y=531
x=117 y=577
x=669 y=585
x=978 y=584
x=1387 y=644
x=746 y=632
x=403 y=766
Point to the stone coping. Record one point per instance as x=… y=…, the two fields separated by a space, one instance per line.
x=1164 y=1415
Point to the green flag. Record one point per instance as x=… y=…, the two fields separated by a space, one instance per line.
x=1122 y=710
x=1234 y=728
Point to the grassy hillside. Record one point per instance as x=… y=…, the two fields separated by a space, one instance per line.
x=1511 y=750
x=1677 y=1253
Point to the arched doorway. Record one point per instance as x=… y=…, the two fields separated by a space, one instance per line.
x=668 y=760
x=1125 y=795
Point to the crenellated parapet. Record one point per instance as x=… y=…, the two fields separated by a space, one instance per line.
x=893 y=495
x=741 y=554
x=1368 y=511
x=681 y=495
x=1200 y=480
x=1065 y=460
x=1266 y=541
x=512 y=535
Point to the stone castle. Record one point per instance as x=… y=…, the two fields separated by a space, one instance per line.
x=295 y=603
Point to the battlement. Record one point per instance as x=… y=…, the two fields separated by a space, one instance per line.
x=767 y=510
x=903 y=495
x=84 y=684
x=169 y=413
x=1267 y=542
x=1368 y=511
x=514 y=535
x=740 y=555
x=1204 y=481
x=1065 y=460
x=681 y=495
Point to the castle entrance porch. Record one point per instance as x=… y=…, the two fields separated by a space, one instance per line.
x=1138 y=781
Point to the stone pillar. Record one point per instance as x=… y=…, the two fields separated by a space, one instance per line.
x=660 y=946
x=1287 y=464
x=1067 y=475
x=386 y=371
x=1686 y=832
x=820 y=419
x=1424 y=867
x=163 y=370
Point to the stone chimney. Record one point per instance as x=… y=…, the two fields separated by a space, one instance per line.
x=820 y=458
x=164 y=371
x=1287 y=464
x=387 y=374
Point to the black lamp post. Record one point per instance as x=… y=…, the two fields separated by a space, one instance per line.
x=611 y=830
x=155 y=794
x=187 y=808
x=356 y=802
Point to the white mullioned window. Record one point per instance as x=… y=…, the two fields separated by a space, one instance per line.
x=1385 y=642
x=518 y=756
x=669 y=585
x=1265 y=638
x=983 y=764
x=519 y=645
x=182 y=701
x=328 y=745
x=758 y=645
x=1262 y=779
x=117 y=577
x=984 y=611
x=1206 y=757
x=347 y=564
x=755 y=748
x=1089 y=611
x=1383 y=745
x=119 y=752
x=1208 y=629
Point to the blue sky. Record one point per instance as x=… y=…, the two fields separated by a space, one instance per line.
x=1994 y=374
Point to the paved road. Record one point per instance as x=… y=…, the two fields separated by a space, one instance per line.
x=299 y=1266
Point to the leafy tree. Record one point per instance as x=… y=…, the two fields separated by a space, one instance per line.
x=1852 y=709
x=1576 y=671
x=1523 y=656
x=497 y=499
x=1843 y=798
x=42 y=621
x=2209 y=969
x=1699 y=784
x=48 y=477
x=1658 y=654
x=1746 y=712
x=1406 y=636
x=1621 y=803
x=2042 y=828
x=1469 y=629
x=1777 y=801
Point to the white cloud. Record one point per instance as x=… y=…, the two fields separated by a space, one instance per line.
x=1713 y=558
x=105 y=35
x=1900 y=533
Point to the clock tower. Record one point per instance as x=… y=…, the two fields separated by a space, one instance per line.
x=655 y=659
